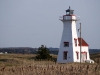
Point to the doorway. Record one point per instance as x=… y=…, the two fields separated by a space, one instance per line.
x=83 y=56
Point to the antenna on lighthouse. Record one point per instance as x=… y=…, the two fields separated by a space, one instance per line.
x=79 y=30
x=69 y=7
x=80 y=46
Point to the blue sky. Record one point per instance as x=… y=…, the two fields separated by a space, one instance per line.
x=30 y=23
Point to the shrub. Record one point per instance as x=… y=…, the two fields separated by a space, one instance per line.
x=43 y=53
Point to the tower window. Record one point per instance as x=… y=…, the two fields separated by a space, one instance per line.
x=66 y=44
x=65 y=55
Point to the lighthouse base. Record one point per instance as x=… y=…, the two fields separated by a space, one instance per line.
x=73 y=55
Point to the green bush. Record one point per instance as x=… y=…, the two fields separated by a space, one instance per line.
x=43 y=53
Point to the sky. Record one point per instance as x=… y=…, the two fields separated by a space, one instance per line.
x=32 y=23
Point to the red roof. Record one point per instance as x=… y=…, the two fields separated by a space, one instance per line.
x=83 y=42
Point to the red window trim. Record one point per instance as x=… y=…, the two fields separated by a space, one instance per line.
x=75 y=40
x=77 y=54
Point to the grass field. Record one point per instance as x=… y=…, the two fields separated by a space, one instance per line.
x=24 y=64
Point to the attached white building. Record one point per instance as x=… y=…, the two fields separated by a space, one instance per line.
x=69 y=50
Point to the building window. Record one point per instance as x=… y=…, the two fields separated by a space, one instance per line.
x=75 y=41
x=77 y=55
x=66 y=44
x=65 y=55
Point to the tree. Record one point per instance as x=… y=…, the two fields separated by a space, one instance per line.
x=43 y=53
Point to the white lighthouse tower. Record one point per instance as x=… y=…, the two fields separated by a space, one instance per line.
x=69 y=50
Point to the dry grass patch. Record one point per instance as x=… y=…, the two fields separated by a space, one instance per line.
x=24 y=64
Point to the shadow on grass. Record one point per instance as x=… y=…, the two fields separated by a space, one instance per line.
x=34 y=58
x=3 y=60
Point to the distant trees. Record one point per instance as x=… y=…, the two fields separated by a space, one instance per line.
x=19 y=50
x=43 y=53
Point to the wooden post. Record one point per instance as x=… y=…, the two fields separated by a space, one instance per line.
x=80 y=43
x=80 y=46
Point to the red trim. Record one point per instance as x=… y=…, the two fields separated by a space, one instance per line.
x=77 y=54
x=83 y=52
x=75 y=40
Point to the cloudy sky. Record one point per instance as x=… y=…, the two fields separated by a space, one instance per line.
x=30 y=23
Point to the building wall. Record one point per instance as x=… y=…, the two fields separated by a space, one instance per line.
x=68 y=35
x=83 y=49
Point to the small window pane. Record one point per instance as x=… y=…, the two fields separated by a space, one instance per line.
x=77 y=54
x=65 y=55
x=66 y=44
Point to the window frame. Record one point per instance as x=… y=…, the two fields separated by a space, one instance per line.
x=77 y=55
x=66 y=44
x=75 y=40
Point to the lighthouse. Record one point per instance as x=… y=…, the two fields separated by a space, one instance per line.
x=69 y=50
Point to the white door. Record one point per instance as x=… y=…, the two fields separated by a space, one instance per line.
x=83 y=56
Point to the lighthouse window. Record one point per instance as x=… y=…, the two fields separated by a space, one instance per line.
x=75 y=41
x=65 y=55
x=66 y=44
